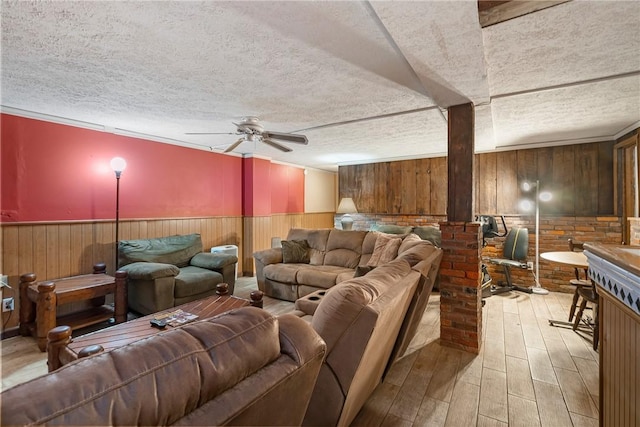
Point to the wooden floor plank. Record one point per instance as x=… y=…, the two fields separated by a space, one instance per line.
x=522 y=412
x=551 y=407
x=575 y=393
x=377 y=406
x=441 y=384
x=432 y=413
x=540 y=365
x=513 y=337
x=463 y=409
x=409 y=398
x=489 y=422
x=519 y=378
x=493 y=395
x=582 y=421
x=559 y=354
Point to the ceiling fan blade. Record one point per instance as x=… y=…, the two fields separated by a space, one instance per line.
x=289 y=137
x=276 y=145
x=209 y=133
x=234 y=145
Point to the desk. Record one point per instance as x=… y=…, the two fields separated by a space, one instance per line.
x=571 y=258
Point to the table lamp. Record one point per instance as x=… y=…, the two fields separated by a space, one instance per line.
x=346 y=207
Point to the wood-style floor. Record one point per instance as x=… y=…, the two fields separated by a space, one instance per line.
x=528 y=373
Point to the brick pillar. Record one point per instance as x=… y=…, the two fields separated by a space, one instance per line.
x=460 y=286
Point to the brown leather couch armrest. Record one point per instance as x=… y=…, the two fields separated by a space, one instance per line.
x=296 y=341
x=269 y=256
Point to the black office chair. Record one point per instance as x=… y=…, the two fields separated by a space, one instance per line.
x=516 y=246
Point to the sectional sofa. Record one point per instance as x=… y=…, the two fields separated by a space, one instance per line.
x=333 y=256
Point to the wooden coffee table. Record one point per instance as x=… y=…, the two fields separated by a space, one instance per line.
x=62 y=349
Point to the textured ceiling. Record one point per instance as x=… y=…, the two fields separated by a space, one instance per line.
x=372 y=79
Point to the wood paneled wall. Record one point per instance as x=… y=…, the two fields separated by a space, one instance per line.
x=259 y=230
x=579 y=176
x=55 y=250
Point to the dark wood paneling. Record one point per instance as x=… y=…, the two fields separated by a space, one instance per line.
x=408 y=186
x=586 y=180
x=423 y=186
x=507 y=182
x=381 y=187
x=486 y=196
x=580 y=178
x=394 y=188
x=439 y=186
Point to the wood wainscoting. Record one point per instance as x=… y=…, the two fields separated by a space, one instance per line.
x=61 y=249
x=54 y=250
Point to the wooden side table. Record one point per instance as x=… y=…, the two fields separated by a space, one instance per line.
x=39 y=301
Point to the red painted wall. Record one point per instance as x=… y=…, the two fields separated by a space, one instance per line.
x=257 y=187
x=54 y=172
x=287 y=189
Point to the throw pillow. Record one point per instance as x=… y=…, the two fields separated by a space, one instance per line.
x=295 y=252
x=379 y=256
x=390 y=251
x=408 y=242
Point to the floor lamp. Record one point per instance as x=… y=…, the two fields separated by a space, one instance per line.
x=118 y=164
x=545 y=196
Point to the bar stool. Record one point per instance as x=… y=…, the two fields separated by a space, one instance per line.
x=578 y=282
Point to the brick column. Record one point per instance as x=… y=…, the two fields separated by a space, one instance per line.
x=460 y=286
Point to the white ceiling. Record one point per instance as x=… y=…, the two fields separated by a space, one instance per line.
x=159 y=70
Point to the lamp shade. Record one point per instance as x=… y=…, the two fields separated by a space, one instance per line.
x=346 y=206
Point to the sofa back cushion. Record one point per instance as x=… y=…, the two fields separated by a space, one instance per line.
x=359 y=320
x=155 y=381
x=175 y=250
x=317 y=240
x=344 y=248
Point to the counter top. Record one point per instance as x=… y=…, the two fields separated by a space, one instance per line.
x=616 y=269
x=625 y=257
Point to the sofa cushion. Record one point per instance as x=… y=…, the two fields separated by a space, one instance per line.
x=195 y=280
x=213 y=261
x=408 y=242
x=283 y=273
x=368 y=245
x=393 y=229
x=386 y=249
x=344 y=248
x=295 y=252
x=150 y=270
x=321 y=276
x=343 y=304
x=176 y=250
x=430 y=233
x=317 y=239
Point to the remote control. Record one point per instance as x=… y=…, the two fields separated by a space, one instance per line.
x=160 y=324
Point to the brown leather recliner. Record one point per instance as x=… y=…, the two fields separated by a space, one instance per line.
x=233 y=369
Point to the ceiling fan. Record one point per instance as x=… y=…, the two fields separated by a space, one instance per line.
x=251 y=130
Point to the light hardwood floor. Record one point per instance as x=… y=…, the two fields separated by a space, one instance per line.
x=528 y=373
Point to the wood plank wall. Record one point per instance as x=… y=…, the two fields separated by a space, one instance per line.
x=62 y=249
x=579 y=176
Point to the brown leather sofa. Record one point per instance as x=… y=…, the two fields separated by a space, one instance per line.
x=245 y=367
x=367 y=323
x=334 y=256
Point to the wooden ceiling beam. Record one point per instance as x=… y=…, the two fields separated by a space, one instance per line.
x=494 y=12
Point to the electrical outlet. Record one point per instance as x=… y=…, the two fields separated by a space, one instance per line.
x=8 y=304
x=530 y=265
